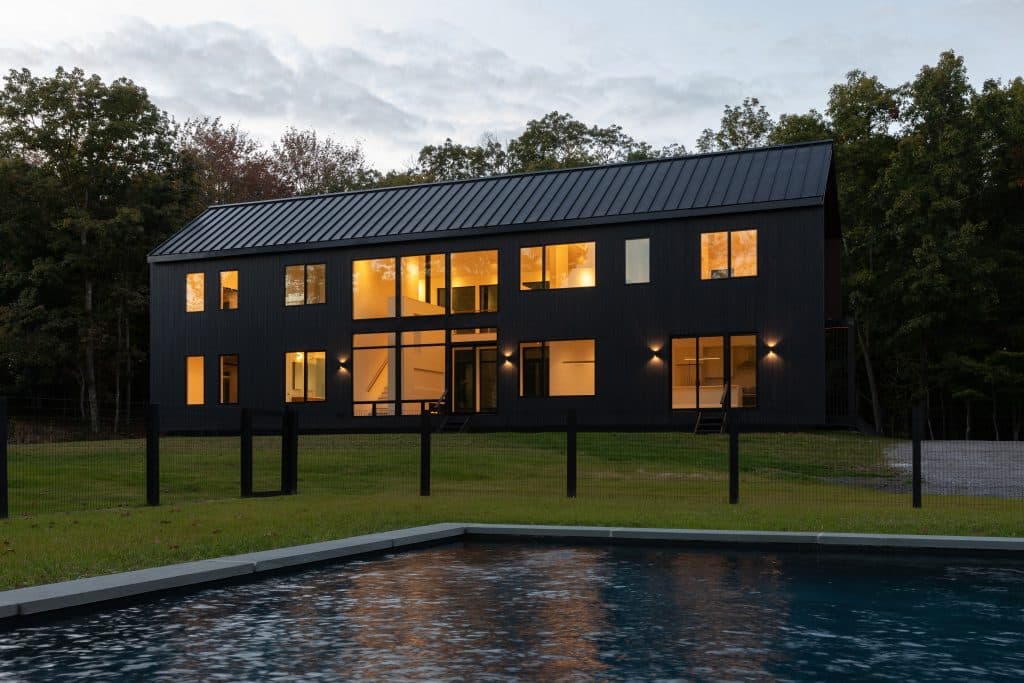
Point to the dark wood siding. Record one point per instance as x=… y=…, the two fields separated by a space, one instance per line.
x=784 y=303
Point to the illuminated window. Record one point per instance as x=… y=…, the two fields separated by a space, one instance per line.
x=558 y=266
x=374 y=382
x=423 y=372
x=557 y=368
x=305 y=376
x=698 y=372
x=474 y=282
x=373 y=288
x=195 y=292
x=424 y=285
x=638 y=261
x=228 y=290
x=194 y=393
x=728 y=254
x=229 y=379
x=305 y=284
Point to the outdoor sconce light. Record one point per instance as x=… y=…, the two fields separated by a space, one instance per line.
x=342 y=364
x=509 y=357
x=655 y=351
x=771 y=348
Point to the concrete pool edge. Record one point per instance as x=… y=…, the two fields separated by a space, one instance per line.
x=83 y=592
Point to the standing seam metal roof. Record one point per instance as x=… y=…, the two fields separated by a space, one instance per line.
x=769 y=177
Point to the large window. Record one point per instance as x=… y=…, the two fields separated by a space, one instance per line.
x=228 y=290
x=474 y=286
x=373 y=288
x=558 y=266
x=374 y=383
x=423 y=376
x=699 y=379
x=557 y=368
x=229 y=379
x=638 y=261
x=195 y=292
x=195 y=394
x=305 y=284
x=424 y=285
x=728 y=254
x=305 y=376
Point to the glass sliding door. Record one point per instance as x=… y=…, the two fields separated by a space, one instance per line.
x=474 y=379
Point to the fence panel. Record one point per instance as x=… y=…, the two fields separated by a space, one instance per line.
x=827 y=468
x=499 y=464
x=654 y=466
x=359 y=463
x=58 y=463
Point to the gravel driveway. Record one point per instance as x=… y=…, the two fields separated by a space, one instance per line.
x=966 y=468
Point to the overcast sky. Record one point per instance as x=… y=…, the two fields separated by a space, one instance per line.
x=398 y=75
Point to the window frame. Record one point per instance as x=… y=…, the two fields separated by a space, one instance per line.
x=544 y=268
x=220 y=382
x=625 y=255
x=478 y=290
x=546 y=381
x=305 y=284
x=202 y=299
x=728 y=259
x=726 y=366
x=305 y=377
x=202 y=379
x=238 y=290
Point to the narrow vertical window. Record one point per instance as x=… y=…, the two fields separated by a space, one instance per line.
x=195 y=292
x=294 y=285
x=638 y=261
x=743 y=253
x=374 y=368
x=228 y=290
x=229 y=380
x=316 y=283
x=194 y=391
x=743 y=371
x=305 y=376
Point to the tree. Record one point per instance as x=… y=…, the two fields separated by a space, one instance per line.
x=307 y=164
x=558 y=140
x=96 y=155
x=746 y=125
x=452 y=161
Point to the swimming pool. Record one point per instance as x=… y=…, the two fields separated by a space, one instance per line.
x=481 y=610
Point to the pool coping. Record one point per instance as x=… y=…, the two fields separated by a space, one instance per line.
x=65 y=595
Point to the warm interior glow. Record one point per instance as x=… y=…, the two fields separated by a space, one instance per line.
x=316 y=283
x=474 y=281
x=294 y=285
x=305 y=376
x=373 y=288
x=229 y=379
x=744 y=253
x=424 y=285
x=570 y=265
x=743 y=371
x=228 y=290
x=195 y=292
x=557 y=368
x=195 y=394
x=423 y=371
x=373 y=373
x=714 y=255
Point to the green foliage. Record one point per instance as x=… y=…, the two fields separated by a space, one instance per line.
x=746 y=125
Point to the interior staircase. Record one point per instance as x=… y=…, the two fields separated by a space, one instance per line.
x=710 y=422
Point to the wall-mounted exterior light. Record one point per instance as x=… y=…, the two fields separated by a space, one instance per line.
x=343 y=364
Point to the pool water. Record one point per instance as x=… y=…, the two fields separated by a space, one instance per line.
x=483 y=611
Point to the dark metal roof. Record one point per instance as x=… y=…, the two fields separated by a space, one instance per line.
x=724 y=182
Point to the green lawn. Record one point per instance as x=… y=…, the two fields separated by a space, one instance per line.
x=77 y=507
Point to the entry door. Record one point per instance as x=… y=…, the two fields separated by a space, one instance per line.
x=474 y=379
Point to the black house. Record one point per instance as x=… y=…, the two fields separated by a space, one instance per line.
x=643 y=293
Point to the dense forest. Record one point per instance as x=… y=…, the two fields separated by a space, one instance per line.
x=931 y=194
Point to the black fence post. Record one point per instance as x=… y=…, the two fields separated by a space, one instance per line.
x=916 y=430
x=245 y=450
x=734 y=458
x=153 y=455
x=570 y=454
x=4 y=500
x=425 y=454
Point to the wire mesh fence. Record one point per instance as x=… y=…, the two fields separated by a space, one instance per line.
x=57 y=462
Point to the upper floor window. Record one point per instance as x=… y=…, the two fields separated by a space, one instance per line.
x=557 y=368
x=474 y=286
x=558 y=266
x=228 y=290
x=305 y=376
x=638 y=261
x=728 y=254
x=373 y=288
x=305 y=284
x=424 y=285
x=195 y=292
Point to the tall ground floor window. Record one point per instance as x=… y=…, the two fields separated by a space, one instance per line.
x=699 y=378
x=195 y=394
x=557 y=368
x=305 y=376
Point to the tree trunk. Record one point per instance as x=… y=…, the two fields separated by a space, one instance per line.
x=128 y=372
x=967 y=430
x=876 y=408
x=117 y=376
x=90 y=360
x=80 y=377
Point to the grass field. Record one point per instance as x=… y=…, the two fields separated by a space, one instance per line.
x=77 y=507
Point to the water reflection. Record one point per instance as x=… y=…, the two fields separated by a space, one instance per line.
x=544 y=612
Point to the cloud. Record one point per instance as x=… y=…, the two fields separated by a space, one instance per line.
x=395 y=90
